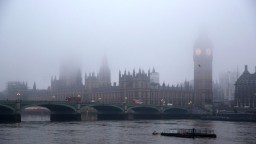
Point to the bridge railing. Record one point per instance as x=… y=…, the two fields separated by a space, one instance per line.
x=89 y=103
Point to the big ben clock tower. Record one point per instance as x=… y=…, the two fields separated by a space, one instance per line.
x=203 y=72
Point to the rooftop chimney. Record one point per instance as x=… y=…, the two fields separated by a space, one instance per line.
x=245 y=68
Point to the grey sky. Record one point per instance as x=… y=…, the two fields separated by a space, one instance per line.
x=36 y=35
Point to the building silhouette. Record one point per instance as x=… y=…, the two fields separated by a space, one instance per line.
x=70 y=77
x=203 y=57
x=102 y=79
x=135 y=86
x=17 y=90
x=224 y=88
x=245 y=90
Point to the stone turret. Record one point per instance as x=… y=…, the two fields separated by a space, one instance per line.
x=136 y=80
x=34 y=86
x=104 y=73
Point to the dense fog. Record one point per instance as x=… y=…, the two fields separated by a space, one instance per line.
x=36 y=37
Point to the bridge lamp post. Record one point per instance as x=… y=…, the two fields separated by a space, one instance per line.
x=53 y=98
x=125 y=99
x=18 y=95
x=78 y=101
x=99 y=100
x=18 y=102
x=189 y=103
x=163 y=102
x=125 y=106
x=78 y=97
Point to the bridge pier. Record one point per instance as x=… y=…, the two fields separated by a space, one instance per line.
x=8 y=115
x=10 y=118
x=65 y=117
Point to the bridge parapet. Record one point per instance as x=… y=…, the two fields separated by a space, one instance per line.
x=77 y=106
x=63 y=109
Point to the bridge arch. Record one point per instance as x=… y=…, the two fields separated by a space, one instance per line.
x=103 y=108
x=144 y=109
x=175 y=110
x=53 y=107
x=58 y=111
x=6 y=109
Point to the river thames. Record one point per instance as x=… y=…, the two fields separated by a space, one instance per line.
x=119 y=132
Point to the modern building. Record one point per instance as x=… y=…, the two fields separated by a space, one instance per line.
x=245 y=90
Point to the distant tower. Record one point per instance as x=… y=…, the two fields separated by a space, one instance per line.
x=203 y=71
x=70 y=74
x=154 y=77
x=104 y=73
x=34 y=86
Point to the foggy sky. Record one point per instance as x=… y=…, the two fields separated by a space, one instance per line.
x=36 y=35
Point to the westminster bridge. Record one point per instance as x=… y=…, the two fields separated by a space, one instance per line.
x=10 y=111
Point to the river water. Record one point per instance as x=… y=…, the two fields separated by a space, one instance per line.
x=121 y=132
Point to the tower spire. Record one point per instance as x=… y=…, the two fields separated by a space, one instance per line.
x=104 y=73
x=34 y=86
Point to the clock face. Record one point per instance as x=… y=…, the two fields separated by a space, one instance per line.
x=198 y=51
x=208 y=51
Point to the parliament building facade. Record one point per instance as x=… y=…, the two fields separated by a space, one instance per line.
x=141 y=87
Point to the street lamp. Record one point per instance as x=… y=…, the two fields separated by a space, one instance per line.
x=53 y=98
x=163 y=102
x=189 y=104
x=125 y=99
x=125 y=106
x=162 y=106
x=18 y=95
x=78 y=102
x=99 y=99
x=78 y=98
x=18 y=101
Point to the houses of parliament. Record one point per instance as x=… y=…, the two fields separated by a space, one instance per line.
x=134 y=85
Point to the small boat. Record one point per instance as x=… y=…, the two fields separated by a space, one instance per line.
x=190 y=133
x=155 y=133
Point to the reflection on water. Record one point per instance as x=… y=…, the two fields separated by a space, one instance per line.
x=136 y=131
x=45 y=116
x=39 y=115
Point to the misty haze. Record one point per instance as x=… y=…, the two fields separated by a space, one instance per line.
x=127 y=71
x=36 y=36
